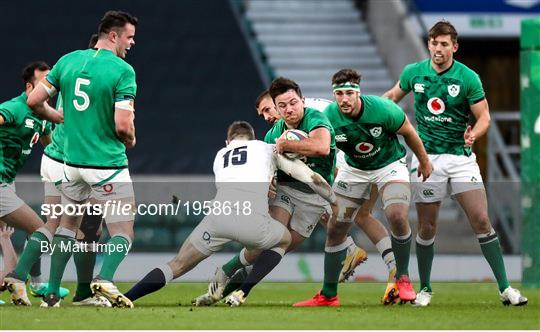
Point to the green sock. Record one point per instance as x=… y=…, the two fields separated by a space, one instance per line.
x=424 y=254
x=59 y=260
x=233 y=265
x=333 y=263
x=112 y=259
x=35 y=270
x=236 y=281
x=84 y=263
x=491 y=248
x=402 y=252
x=31 y=254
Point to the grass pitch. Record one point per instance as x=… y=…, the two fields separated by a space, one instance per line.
x=454 y=306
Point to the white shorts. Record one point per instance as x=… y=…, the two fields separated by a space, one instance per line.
x=78 y=184
x=355 y=183
x=52 y=173
x=254 y=231
x=9 y=201
x=451 y=173
x=305 y=209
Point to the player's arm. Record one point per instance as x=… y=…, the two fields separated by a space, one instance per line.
x=395 y=93
x=415 y=143
x=45 y=140
x=480 y=110
x=37 y=101
x=300 y=171
x=316 y=145
x=124 y=121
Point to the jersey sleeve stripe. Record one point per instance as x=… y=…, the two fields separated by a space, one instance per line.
x=477 y=100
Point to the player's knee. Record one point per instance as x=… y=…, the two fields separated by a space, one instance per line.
x=427 y=230
x=286 y=240
x=481 y=222
x=396 y=193
x=397 y=216
x=337 y=231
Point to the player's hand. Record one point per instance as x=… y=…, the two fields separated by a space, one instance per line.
x=56 y=116
x=272 y=190
x=6 y=232
x=469 y=136
x=130 y=144
x=280 y=145
x=425 y=169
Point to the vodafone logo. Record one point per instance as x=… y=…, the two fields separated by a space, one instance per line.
x=364 y=147
x=435 y=106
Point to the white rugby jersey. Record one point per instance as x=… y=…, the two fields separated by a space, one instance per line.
x=243 y=171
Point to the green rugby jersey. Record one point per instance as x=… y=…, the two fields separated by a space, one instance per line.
x=442 y=104
x=20 y=131
x=55 y=150
x=312 y=120
x=369 y=141
x=91 y=81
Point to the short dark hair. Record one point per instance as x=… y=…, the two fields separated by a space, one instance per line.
x=346 y=75
x=240 y=128
x=114 y=19
x=28 y=71
x=93 y=40
x=281 y=85
x=260 y=98
x=443 y=28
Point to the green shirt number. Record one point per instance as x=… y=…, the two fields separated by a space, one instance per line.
x=82 y=94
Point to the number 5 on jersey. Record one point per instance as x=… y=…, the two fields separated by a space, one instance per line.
x=82 y=94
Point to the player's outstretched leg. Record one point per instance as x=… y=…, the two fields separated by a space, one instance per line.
x=187 y=258
x=151 y=282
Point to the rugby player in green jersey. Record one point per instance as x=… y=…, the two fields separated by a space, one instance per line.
x=372 y=227
x=20 y=129
x=52 y=172
x=295 y=205
x=366 y=130
x=98 y=91
x=446 y=92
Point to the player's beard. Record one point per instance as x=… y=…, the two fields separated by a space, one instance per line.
x=439 y=60
x=346 y=108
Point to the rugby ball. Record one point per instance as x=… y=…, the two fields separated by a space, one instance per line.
x=294 y=135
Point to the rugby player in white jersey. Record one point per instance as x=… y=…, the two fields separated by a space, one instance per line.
x=243 y=170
